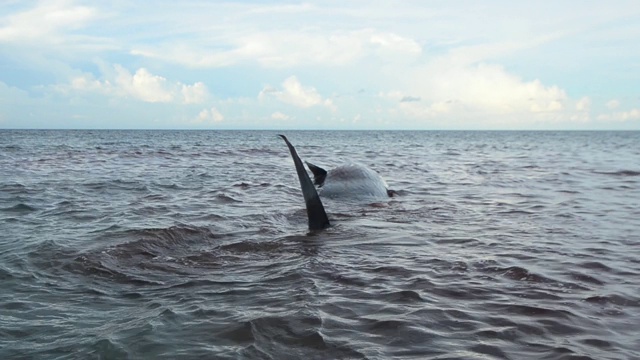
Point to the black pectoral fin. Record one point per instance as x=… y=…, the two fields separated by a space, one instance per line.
x=315 y=210
x=319 y=174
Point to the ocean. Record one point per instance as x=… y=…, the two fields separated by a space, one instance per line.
x=194 y=245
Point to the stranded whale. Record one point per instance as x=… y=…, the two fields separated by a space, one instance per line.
x=353 y=181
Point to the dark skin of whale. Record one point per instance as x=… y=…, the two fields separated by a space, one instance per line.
x=318 y=219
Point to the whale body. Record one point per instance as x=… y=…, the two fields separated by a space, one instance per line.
x=352 y=181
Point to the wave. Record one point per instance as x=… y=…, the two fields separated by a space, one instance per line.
x=140 y=256
x=619 y=173
x=20 y=208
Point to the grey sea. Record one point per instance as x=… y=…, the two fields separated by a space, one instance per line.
x=194 y=245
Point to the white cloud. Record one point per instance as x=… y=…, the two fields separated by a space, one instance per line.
x=582 y=113
x=613 y=104
x=584 y=104
x=452 y=88
x=551 y=106
x=395 y=43
x=287 y=8
x=53 y=30
x=84 y=82
x=279 y=116
x=416 y=107
x=45 y=22
x=621 y=116
x=194 y=94
x=281 y=49
x=209 y=116
x=141 y=85
x=431 y=63
x=294 y=93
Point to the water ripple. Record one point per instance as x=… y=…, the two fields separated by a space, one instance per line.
x=169 y=244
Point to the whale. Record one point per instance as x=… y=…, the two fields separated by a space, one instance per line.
x=348 y=181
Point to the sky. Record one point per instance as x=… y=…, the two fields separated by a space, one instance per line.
x=424 y=64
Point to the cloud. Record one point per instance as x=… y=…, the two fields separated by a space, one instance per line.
x=141 y=85
x=431 y=64
x=209 y=116
x=621 y=116
x=478 y=92
x=294 y=93
x=584 y=104
x=282 y=49
x=46 y=21
x=410 y=99
x=194 y=94
x=613 y=104
x=431 y=110
x=582 y=113
x=394 y=43
x=279 y=116
x=282 y=9
x=56 y=29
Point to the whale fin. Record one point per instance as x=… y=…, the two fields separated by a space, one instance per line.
x=319 y=174
x=318 y=219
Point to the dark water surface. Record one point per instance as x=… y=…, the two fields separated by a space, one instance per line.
x=184 y=245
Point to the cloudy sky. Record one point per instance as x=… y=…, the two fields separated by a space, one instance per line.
x=320 y=64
